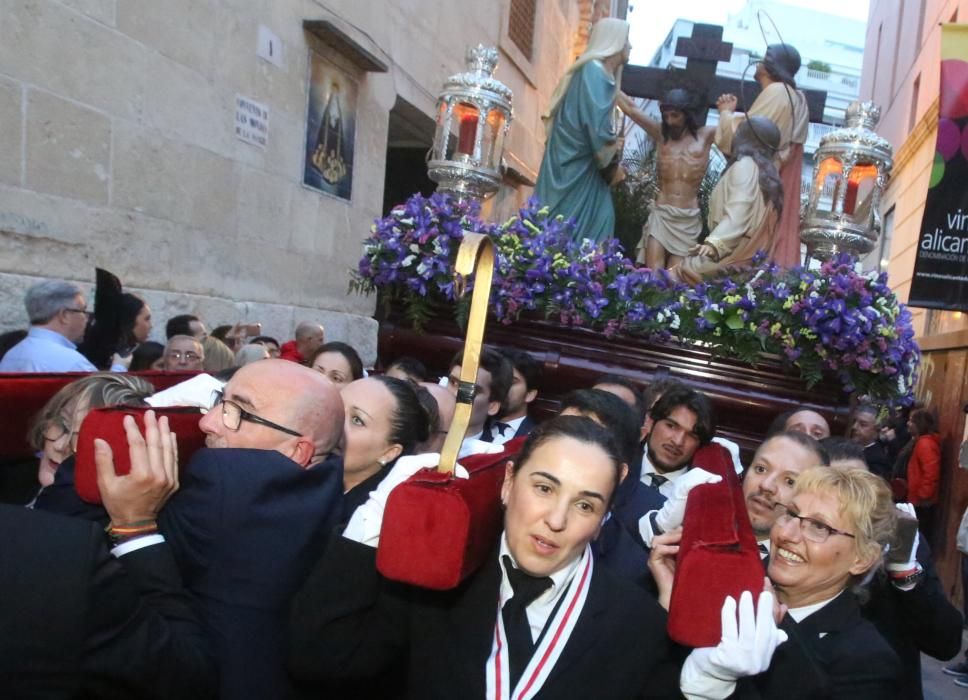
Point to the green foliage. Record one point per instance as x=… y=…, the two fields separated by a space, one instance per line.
x=820 y=66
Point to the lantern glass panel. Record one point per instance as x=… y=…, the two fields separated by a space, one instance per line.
x=493 y=142
x=860 y=187
x=465 y=121
x=827 y=183
x=440 y=136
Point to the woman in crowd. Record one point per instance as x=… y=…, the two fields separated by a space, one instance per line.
x=338 y=361
x=924 y=464
x=135 y=323
x=827 y=537
x=55 y=429
x=218 y=355
x=384 y=420
x=556 y=631
x=147 y=355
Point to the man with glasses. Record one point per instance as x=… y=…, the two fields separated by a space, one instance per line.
x=183 y=353
x=58 y=318
x=254 y=513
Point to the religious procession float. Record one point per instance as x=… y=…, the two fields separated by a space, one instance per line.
x=758 y=337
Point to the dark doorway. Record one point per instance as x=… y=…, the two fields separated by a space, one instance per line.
x=410 y=135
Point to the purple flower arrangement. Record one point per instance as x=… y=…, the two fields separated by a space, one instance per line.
x=831 y=320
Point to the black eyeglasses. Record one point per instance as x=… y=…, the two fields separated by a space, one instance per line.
x=233 y=415
x=813 y=530
x=87 y=313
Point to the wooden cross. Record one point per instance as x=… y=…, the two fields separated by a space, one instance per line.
x=702 y=51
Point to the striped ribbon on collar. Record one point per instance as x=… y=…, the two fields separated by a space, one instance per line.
x=549 y=650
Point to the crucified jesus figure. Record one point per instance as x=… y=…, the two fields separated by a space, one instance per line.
x=675 y=222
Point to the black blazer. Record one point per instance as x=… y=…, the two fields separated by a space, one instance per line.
x=527 y=425
x=619 y=545
x=77 y=622
x=246 y=527
x=347 y=622
x=915 y=621
x=849 y=662
x=878 y=461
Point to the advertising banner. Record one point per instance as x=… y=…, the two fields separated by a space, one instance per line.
x=940 y=278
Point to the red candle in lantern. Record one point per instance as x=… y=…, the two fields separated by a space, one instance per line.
x=468 y=133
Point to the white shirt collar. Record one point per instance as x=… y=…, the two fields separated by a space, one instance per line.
x=559 y=580
x=801 y=613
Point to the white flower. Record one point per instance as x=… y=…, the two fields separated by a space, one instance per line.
x=414 y=248
x=408 y=261
x=675 y=322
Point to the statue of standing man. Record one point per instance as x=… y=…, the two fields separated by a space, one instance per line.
x=675 y=222
x=583 y=148
x=786 y=107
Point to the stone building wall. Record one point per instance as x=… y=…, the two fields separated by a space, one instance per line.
x=118 y=147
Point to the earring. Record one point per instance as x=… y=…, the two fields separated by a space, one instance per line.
x=382 y=462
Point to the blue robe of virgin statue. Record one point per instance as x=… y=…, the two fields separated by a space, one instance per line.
x=581 y=144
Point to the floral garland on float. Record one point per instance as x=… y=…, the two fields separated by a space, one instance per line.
x=832 y=319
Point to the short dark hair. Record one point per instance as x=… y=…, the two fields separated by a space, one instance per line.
x=526 y=364
x=613 y=413
x=263 y=339
x=497 y=365
x=656 y=389
x=578 y=428
x=838 y=447
x=410 y=366
x=145 y=355
x=431 y=407
x=220 y=332
x=347 y=351
x=695 y=401
x=806 y=442
x=619 y=380
x=409 y=423
x=179 y=325
x=924 y=421
x=867 y=408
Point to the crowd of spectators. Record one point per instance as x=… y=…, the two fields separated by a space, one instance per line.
x=251 y=571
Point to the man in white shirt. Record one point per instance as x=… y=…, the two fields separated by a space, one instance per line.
x=58 y=318
x=513 y=420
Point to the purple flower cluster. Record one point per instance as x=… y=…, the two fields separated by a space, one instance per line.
x=831 y=320
x=414 y=247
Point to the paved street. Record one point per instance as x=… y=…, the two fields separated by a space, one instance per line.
x=938 y=686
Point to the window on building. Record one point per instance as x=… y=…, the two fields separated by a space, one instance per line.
x=887 y=234
x=915 y=94
x=521 y=21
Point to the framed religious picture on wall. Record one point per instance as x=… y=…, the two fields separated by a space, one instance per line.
x=330 y=128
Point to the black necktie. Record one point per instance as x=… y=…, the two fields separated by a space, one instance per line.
x=498 y=428
x=657 y=480
x=764 y=550
x=516 y=626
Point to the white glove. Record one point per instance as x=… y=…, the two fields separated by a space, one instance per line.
x=364 y=526
x=746 y=649
x=670 y=516
x=912 y=561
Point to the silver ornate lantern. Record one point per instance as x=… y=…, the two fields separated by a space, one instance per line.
x=852 y=167
x=473 y=116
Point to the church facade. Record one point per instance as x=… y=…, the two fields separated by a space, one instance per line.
x=226 y=158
